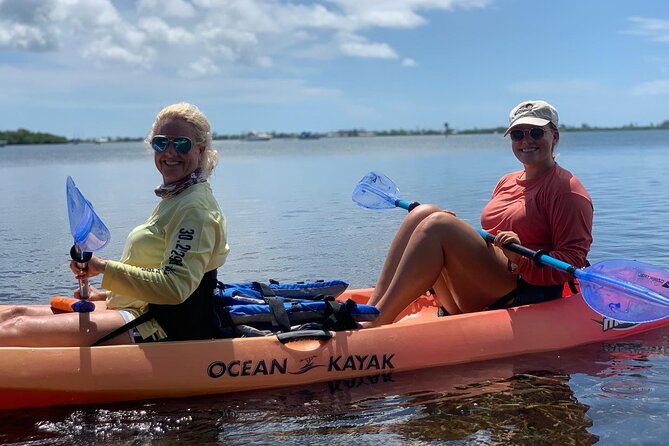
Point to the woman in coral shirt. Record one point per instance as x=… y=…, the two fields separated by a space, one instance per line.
x=543 y=206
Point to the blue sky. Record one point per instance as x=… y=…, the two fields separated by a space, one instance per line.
x=89 y=68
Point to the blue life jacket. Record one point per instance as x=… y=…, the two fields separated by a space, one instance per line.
x=258 y=309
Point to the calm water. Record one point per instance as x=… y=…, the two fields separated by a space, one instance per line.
x=290 y=217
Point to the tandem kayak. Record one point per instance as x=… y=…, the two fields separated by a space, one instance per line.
x=419 y=339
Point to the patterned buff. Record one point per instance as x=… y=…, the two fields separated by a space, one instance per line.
x=174 y=189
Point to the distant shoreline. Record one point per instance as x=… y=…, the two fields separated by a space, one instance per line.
x=26 y=137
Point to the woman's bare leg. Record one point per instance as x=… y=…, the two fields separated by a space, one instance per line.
x=25 y=310
x=476 y=272
x=397 y=247
x=38 y=310
x=63 y=330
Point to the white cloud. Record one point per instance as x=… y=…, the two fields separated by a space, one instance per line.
x=46 y=25
x=352 y=45
x=158 y=31
x=408 y=62
x=397 y=13
x=106 y=50
x=653 y=88
x=199 y=69
x=388 y=18
x=238 y=33
x=19 y=36
x=83 y=14
x=656 y=30
x=167 y=8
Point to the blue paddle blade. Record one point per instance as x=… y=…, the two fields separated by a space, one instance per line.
x=626 y=290
x=376 y=191
x=89 y=233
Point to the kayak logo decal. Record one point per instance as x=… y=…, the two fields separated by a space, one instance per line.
x=612 y=324
x=338 y=363
x=309 y=365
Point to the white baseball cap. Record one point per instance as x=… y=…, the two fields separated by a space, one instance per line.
x=532 y=112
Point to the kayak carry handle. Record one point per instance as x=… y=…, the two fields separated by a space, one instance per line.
x=319 y=335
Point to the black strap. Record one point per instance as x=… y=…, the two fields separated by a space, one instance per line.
x=338 y=315
x=264 y=289
x=278 y=313
x=573 y=287
x=124 y=328
x=224 y=325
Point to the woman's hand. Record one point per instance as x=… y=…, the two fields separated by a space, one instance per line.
x=94 y=267
x=93 y=293
x=504 y=238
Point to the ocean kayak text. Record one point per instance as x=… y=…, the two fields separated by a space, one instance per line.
x=339 y=363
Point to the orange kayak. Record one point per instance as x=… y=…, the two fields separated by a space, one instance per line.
x=419 y=339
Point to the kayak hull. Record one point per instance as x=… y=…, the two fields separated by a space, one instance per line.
x=39 y=377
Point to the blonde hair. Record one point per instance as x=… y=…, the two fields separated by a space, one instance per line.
x=192 y=115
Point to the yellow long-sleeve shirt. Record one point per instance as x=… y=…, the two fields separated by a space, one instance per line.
x=165 y=258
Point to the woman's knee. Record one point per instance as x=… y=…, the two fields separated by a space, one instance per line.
x=14 y=312
x=421 y=212
x=443 y=224
x=16 y=324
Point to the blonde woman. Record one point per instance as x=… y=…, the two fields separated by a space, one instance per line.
x=162 y=287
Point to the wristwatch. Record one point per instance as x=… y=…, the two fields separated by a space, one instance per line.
x=511 y=266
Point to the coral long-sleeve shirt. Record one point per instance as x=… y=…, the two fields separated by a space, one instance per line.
x=553 y=213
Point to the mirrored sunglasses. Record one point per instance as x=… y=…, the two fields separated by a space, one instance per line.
x=182 y=144
x=535 y=133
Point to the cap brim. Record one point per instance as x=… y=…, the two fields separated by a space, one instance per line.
x=527 y=120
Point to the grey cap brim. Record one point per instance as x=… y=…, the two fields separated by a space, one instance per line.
x=527 y=120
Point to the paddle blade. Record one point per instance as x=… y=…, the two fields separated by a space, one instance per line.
x=376 y=191
x=626 y=290
x=89 y=233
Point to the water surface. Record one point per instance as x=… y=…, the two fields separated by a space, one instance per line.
x=290 y=217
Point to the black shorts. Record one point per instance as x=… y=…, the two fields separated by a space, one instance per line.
x=525 y=294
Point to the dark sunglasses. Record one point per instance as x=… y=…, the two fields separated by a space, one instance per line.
x=182 y=144
x=535 y=133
